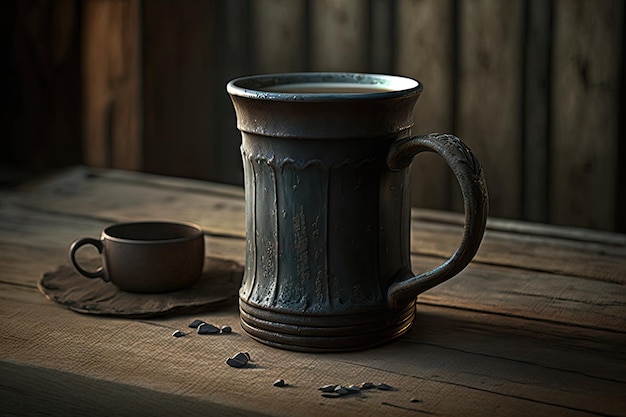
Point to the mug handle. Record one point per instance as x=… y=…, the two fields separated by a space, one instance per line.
x=77 y=244
x=469 y=174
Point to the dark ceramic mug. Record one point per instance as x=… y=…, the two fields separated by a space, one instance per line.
x=146 y=257
x=326 y=157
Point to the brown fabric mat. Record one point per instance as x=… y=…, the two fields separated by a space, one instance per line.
x=218 y=286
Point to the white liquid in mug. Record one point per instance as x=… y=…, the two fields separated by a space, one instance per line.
x=327 y=88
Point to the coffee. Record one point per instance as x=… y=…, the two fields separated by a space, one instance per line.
x=327 y=88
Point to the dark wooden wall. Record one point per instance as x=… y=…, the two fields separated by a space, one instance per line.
x=535 y=87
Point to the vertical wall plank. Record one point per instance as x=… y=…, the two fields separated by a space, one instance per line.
x=42 y=117
x=232 y=54
x=382 y=40
x=179 y=73
x=620 y=204
x=278 y=41
x=536 y=91
x=425 y=52
x=111 y=62
x=585 y=129
x=490 y=80
x=338 y=31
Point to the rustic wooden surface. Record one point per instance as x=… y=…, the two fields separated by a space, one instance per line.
x=534 y=326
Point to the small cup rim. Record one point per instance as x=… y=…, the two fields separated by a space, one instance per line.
x=196 y=232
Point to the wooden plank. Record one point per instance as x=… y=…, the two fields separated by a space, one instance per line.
x=51 y=182
x=232 y=55
x=111 y=62
x=28 y=235
x=488 y=288
x=131 y=200
x=513 y=274
x=338 y=34
x=526 y=372
x=429 y=59
x=531 y=295
x=41 y=85
x=511 y=341
x=382 y=36
x=489 y=108
x=532 y=253
x=536 y=93
x=574 y=234
x=279 y=41
x=585 y=79
x=179 y=73
x=42 y=391
x=84 y=194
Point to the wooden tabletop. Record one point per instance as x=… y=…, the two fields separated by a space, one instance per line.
x=535 y=326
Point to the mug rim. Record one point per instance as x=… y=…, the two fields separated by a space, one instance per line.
x=251 y=86
x=195 y=232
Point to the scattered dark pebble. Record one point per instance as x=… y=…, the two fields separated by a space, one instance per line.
x=279 y=383
x=353 y=388
x=226 y=329
x=206 y=328
x=341 y=390
x=415 y=400
x=334 y=390
x=235 y=363
x=239 y=360
x=194 y=324
x=178 y=333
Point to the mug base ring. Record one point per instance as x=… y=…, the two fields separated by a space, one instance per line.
x=314 y=334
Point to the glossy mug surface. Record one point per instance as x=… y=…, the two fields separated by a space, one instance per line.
x=326 y=158
x=146 y=257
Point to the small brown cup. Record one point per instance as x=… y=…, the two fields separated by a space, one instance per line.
x=146 y=257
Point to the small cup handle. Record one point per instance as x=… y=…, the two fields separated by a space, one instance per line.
x=469 y=174
x=77 y=244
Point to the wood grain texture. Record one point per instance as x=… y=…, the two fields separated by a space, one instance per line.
x=73 y=395
x=179 y=90
x=490 y=80
x=425 y=52
x=279 y=41
x=41 y=89
x=536 y=111
x=220 y=210
x=338 y=31
x=532 y=327
x=232 y=56
x=112 y=79
x=535 y=88
x=586 y=79
x=500 y=364
x=381 y=42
